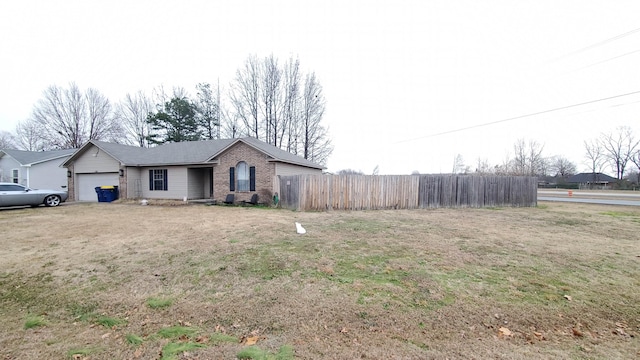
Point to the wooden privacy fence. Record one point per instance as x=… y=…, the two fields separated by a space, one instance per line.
x=477 y=191
x=371 y=192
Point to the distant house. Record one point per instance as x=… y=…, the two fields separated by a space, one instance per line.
x=35 y=169
x=592 y=180
x=192 y=169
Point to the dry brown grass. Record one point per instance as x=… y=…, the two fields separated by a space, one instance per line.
x=563 y=279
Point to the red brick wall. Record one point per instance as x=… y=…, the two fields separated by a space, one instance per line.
x=265 y=172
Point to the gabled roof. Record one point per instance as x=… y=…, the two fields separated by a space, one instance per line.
x=28 y=158
x=584 y=178
x=187 y=152
x=275 y=153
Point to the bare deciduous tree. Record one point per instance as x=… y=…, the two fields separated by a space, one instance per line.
x=528 y=158
x=100 y=117
x=230 y=125
x=245 y=95
x=594 y=155
x=271 y=94
x=291 y=106
x=69 y=117
x=29 y=136
x=483 y=167
x=458 y=165
x=635 y=159
x=7 y=140
x=273 y=105
x=131 y=114
x=619 y=148
x=561 y=166
x=315 y=142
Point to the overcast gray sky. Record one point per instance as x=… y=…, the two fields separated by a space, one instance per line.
x=395 y=73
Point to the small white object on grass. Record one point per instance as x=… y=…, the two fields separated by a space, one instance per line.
x=143 y=202
x=300 y=229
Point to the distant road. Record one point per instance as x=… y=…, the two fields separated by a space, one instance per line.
x=630 y=198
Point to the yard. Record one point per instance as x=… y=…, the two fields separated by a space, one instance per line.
x=169 y=281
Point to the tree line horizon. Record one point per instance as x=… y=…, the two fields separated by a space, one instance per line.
x=268 y=99
x=616 y=149
x=272 y=101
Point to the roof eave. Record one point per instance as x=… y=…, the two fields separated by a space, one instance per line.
x=319 y=167
x=83 y=148
x=212 y=157
x=49 y=159
x=211 y=162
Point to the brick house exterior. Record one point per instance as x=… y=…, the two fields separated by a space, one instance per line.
x=188 y=170
x=241 y=152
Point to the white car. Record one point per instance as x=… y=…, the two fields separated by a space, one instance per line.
x=18 y=195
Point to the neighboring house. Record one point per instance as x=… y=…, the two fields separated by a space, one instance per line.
x=592 y=180
x=552 y=181
x=35 y=169
x=192 y=169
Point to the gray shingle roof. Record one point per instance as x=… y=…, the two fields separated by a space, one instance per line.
x=35 y=157
x=192 y=152
x=279 y=154
x=584 y=178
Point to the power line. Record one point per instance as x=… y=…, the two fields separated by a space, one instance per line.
x=518 y=117
x=604 y=42
x=607 y=60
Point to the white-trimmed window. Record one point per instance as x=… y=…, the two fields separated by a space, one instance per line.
x=243 y=176
x=158 y=180
x=15 y=176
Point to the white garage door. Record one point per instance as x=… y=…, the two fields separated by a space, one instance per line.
x=87 y=184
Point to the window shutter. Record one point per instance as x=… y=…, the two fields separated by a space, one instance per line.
x=232 y=179
x=150 y=179
x=166 y=179
x=252 y=178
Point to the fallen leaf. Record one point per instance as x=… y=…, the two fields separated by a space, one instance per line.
x=619 y=331
x=568 y=297
x=202 y=339
x=538 y=335
x=344 y=330
x=137 y=353
x=251 y=340
x=577 y=332
x=504 y=332
x=104 y=336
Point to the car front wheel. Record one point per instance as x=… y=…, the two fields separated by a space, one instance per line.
x=52 y=200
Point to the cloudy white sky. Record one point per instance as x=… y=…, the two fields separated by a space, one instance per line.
x=395 y=73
